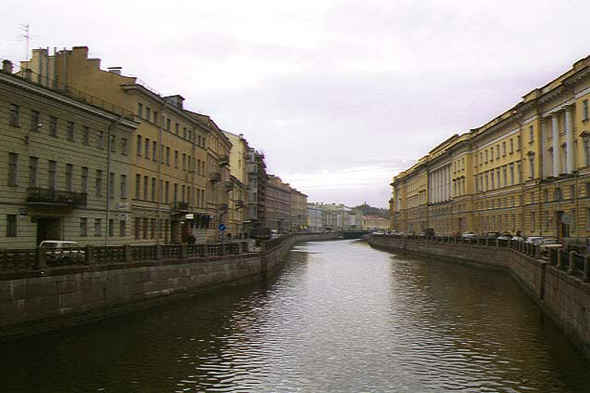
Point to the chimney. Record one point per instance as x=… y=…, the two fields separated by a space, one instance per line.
x=7 y=66
x=115 y=70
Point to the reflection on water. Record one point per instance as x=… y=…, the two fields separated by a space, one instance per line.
x=340 y=317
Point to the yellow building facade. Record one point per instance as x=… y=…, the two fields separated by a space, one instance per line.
x=526 y=170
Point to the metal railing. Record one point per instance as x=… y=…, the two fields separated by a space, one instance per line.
x=19 y=260
x=572 y=262
x=58 y=197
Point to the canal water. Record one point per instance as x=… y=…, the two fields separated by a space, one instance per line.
x=339 y=317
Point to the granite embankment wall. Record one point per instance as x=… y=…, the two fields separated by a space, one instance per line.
x=37 y=301
x=565 y=298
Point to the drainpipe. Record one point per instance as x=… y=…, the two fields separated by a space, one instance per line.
x=108 y=199
x=159 y=183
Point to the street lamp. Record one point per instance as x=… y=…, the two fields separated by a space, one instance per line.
x=32 y=129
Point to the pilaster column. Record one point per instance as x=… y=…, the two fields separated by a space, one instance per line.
x=569 y=137
x=556 y=148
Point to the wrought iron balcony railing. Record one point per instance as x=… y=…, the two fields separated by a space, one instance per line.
x=180 y=207
x=50 y=196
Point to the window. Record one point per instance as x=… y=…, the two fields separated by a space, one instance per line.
x=137 y=186
x=184 y=132
x=145 y=228
x=572 y=192
x=111 y=227
x=190 y=135
x=53 y=126
x=85 y=180
x=140 y=109
x=33 y=166
x=111 y=189
x=98 y=184
x=70 y=131
x=498 y=151
x=585 y=110
x=137 y=225
x=492 y=180
x=168 y=155
x=587 y=151
x=11 y=225
x=175 y=158
x=12 y=169
x=100 y=140
x=183 y=161
x=148 y=113
x=35 y=120
x=154 y=151
x=532 y=167
x=182 y=194
x=176 y=129
x=52 y=171
x=13 y=116
x=122 y=228
x=124 y=146
x=167 y=193
x=199 y=140
x=83 y=227
x=145 y=187
x=504 y=148
x=505 y=177
x=69 y=177
x=153 y=189
x=153 y=228
x=97 y=227
x=113 y=143
x=175 y=192
x=138 y=145
x=511 y=145
x=147 y=148
x=167 y=124
x=86 y=135
x=123 y=190
x=155 y=117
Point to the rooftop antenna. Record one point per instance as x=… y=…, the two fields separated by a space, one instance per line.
x=27 y=36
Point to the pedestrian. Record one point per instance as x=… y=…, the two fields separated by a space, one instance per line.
x=191 y=239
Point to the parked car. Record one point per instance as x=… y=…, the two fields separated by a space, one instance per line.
x=490 y=235
x=505 y=236
x=518 y=239
x=63 y=252
x=536 y=240
x=468 y=235
x=550 y=243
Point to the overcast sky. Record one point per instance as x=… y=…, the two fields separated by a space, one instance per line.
x=339 y=95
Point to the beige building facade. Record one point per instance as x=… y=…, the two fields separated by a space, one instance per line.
x=526 y=170
x=238 y=223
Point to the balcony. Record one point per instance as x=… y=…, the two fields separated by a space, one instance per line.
x=52 y=197
x=180 y=207
x=215 y=177
x=239 y=204
x=223 y=160
x=223 y=207
x=228 y=185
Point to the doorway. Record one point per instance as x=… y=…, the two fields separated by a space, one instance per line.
x=563 y=229
x=48 y=229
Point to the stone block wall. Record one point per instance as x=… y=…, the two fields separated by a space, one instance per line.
x=32 y=302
